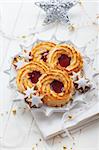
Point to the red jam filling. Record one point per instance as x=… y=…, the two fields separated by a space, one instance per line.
x=44 y=56
x=34 y=76
x=64 y=60
x=57 y=86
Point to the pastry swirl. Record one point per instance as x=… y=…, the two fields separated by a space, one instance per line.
x=65 y=57
x=41 y=50
x=56 y=86
x=29 y=75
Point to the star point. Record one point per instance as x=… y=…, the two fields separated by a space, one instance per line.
x=75 y=76
x=25 y=54
x=29 y=92
x=20 y=64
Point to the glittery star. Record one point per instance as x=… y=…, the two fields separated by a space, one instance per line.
x=29 y=92
x=82 y=83
x=56 y=10
x=36 y=100
x=20 y=64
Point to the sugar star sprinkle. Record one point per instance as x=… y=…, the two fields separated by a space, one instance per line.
x=56 y=10
x=29 y=92
x=25 y=54
x=82 y=83
x=20 y=64
x=75 y=76
x=36 y=100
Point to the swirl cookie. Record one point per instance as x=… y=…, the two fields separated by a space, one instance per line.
x=57 y=88
x=41 y=50
x=29 y=75
x=65 y=57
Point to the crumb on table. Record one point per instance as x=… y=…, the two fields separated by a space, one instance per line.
x=14 y=111
x=70 y=116
x=24 y=36
x=1 y=114
x=64 y=148
x=34 y=147
x=40 y=140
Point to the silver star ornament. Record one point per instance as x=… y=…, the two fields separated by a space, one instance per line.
x=56 y=10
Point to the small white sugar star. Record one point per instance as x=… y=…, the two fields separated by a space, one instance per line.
x=29 y=92
x=82 y=83
x=36 y=100
x=75 y=76
x=25 y=54
x=20 y=64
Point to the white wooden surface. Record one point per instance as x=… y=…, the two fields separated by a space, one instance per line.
x=17 y=19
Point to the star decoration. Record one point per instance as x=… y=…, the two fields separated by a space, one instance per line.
x=56 y=10
x=75 y=76
x=25 y=54
x=36 y=100
x=29 y=92
x=20 y=64
x=82 y=83
x=8 y=71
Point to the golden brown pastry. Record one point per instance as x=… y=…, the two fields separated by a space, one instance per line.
x=29 y=75
x=65 y=57
x=57 y=88
x=41 y=50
